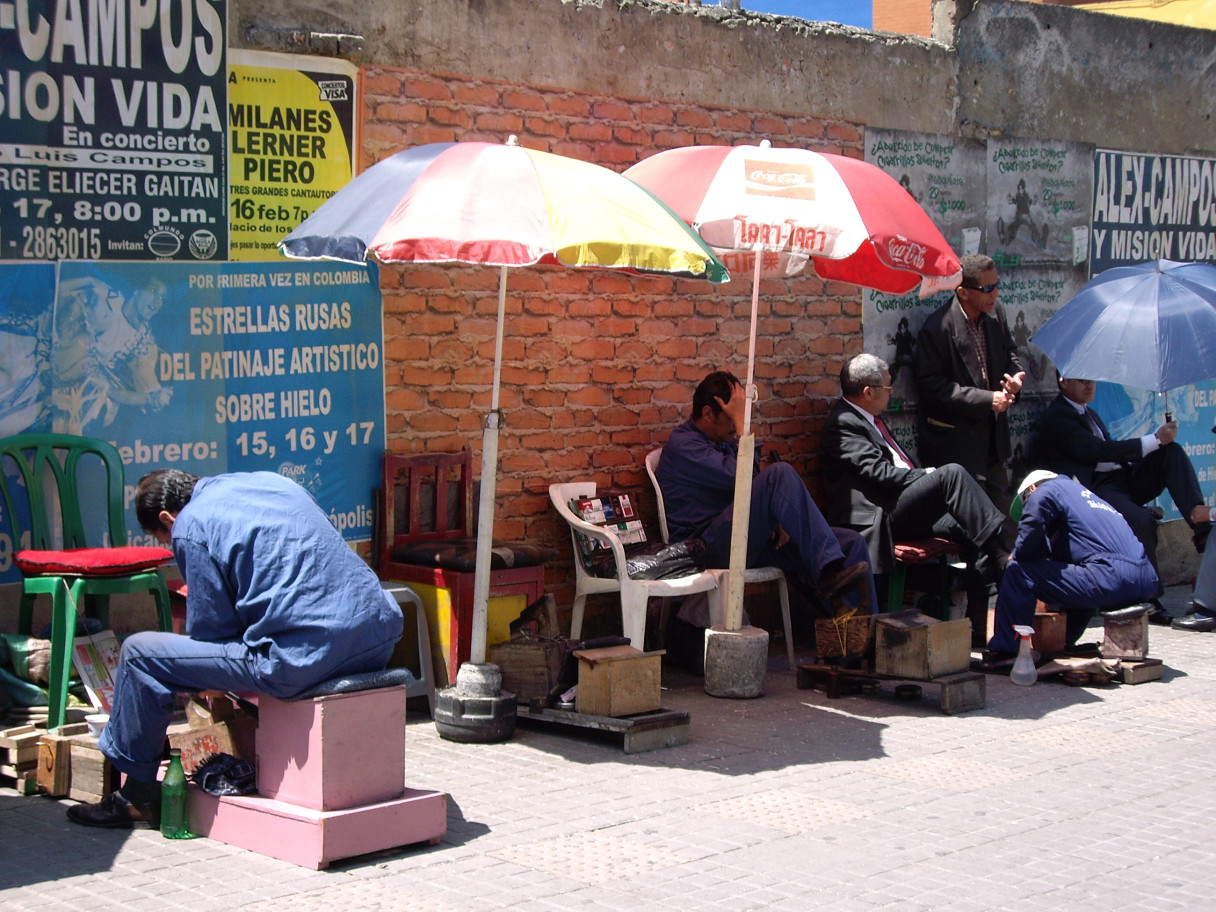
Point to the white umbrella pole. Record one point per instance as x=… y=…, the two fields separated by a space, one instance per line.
x=741 y=515
x=485 y=510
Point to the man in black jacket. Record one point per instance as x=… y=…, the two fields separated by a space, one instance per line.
x=967 y=376
x=872 y=485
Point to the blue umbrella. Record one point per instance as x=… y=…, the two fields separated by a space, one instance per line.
x=1151 y=326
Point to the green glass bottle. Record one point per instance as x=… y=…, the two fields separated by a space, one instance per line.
x=173 y=799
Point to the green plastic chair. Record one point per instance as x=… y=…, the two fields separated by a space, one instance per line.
x=54 y=471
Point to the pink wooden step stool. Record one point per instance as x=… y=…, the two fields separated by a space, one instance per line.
x=331 y=783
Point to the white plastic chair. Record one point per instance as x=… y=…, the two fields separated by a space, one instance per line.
x=634 y=593
x=750 y=575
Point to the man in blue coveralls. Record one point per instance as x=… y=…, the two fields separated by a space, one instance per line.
x=785 y=528
x=1075 y=552
x=277 y=603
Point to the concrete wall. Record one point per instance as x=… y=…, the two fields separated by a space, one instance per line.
x=999 y=66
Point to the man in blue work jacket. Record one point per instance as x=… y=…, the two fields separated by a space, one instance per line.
x=1074 y=552
x=277 y=603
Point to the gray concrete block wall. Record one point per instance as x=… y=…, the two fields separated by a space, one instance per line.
x=998 y=67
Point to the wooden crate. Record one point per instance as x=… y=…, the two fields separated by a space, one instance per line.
x=529 y=667
x=55 y=759
x=1050 y=630
x=1125 y=639
x=19 y=758
x=910 y=645
x=92 y=775
x=617 y=681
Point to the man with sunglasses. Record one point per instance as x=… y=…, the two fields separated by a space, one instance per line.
x=967 y=376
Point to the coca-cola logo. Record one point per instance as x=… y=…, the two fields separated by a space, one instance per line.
x=776 y=178
x=786 y=179
x=903 y=252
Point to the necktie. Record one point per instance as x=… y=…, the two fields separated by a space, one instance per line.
x=1093 y=425
x=886 y=435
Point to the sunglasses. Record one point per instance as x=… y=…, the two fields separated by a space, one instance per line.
x=986 y=289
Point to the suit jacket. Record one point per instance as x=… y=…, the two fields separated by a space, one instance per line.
x=954 y=417
x=1065 y=444
x=861 y=481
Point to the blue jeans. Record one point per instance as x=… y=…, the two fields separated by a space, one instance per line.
x=154 y=667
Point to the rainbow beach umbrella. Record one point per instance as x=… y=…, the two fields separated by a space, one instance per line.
x=499 y=205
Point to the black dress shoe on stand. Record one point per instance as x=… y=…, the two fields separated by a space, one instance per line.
x=1199 y=622
x=1158 y=615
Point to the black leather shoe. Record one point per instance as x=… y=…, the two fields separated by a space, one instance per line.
x=1082 y=651
x=995 y=657
x=1200 y=535
x=842 y=579
x=1197 y=622
x=1158 y=615
x=114 y=812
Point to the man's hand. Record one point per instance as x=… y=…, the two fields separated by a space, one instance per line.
x=1013 y=384
x=734 y=407
x=1167 y=433
x=1001 y=400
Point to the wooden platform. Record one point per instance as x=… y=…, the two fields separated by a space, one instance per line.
x=641 y=732
x=961 y=692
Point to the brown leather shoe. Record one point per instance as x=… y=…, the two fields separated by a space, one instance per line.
x=842 y=579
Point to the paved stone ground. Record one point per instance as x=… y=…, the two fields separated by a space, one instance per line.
x=1052 y=797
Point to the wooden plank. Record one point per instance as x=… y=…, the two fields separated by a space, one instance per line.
x=92 y=775
x=55 y=760
x=25 y=782
x=20 y=736
x=961 y=692
x=1140 y=672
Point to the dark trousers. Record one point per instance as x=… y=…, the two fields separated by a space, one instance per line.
x=780 y=498
x=949 y=503
x=1128 y=490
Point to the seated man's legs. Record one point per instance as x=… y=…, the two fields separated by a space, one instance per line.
x=780 y=499
x=1142 y=521
x=153 y=669
x=947 y=492
x=1167 y=469
x=951 y=504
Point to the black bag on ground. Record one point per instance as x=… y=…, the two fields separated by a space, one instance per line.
x=653 y=560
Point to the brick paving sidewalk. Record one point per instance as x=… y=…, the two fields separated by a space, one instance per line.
x=1052 y=797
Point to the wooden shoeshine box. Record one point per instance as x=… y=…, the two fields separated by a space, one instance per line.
x=617 y=681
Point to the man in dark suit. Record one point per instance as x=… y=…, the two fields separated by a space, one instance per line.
x=872 y=485
x=1072 y=440
x=967 y=376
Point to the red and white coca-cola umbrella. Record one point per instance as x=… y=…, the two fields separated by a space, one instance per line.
x=771 y=212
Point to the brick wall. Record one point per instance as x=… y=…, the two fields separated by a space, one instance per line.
x=907 y=17
x=597 y=366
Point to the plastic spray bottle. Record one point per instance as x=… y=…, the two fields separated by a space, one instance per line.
x=1024 y=671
